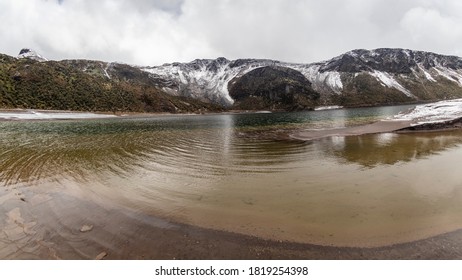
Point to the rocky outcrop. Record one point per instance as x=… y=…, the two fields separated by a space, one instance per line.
x=273 y=88
x=31 y=54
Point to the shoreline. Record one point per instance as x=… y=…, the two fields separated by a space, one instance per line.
x=43 y=115
x=40 y=115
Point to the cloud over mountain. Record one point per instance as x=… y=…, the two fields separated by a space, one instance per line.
x=153 y=32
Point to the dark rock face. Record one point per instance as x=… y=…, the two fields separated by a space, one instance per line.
x=273 y=88
x=23 y=51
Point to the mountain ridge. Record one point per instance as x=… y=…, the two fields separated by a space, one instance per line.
x=383 y=76
x=84 y=85
x=392 y=71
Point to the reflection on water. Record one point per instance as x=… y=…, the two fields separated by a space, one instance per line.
x=198 y=146
x=235 y=172
x=391 y=148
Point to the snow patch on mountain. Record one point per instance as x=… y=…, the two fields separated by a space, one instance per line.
x=319 y=80
x=31 y=54
x=388 y=80
x=407 y=53
x=203 y=79
x=427 y=75
x=449 y=74
x=105 y=71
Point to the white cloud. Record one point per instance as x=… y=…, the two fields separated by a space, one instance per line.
x=153 y=32
x=433 y=30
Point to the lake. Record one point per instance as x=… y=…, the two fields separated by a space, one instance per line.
x=243 y=173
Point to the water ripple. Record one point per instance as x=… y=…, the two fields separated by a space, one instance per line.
x=84 y=149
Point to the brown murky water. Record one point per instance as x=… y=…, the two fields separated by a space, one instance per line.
x=239 y=173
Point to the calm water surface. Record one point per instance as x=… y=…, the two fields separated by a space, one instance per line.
x=242 y=173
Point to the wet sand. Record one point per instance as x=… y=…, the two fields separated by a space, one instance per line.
x=64 y=226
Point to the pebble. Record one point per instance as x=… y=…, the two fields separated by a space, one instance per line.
x=101 y=256
x=86 y=228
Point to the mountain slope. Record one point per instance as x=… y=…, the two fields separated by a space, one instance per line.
x=356 y=78
x=83 y=85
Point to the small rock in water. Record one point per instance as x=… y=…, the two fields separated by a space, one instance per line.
x=86 y=228
x=101 y=256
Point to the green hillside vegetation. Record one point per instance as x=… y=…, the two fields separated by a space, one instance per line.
x=25 y=83
x=365 y=90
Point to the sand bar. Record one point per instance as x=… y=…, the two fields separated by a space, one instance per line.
x=377 y=127
x=433 y=116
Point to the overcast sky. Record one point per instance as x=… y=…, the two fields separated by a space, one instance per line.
x=153 y=32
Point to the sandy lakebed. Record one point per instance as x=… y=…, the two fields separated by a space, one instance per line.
x=44 y=226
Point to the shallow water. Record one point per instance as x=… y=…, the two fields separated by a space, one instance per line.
x=242 y=173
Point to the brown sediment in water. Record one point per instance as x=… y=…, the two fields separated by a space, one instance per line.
x=48 y=226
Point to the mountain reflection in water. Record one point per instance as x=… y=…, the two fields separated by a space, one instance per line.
x=391 y=148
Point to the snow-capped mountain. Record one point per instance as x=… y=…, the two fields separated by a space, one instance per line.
x=29 y=53
x=389 y=66
x=205 y=79
x=209 y=79
x=358 y=77
x=355 y=78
